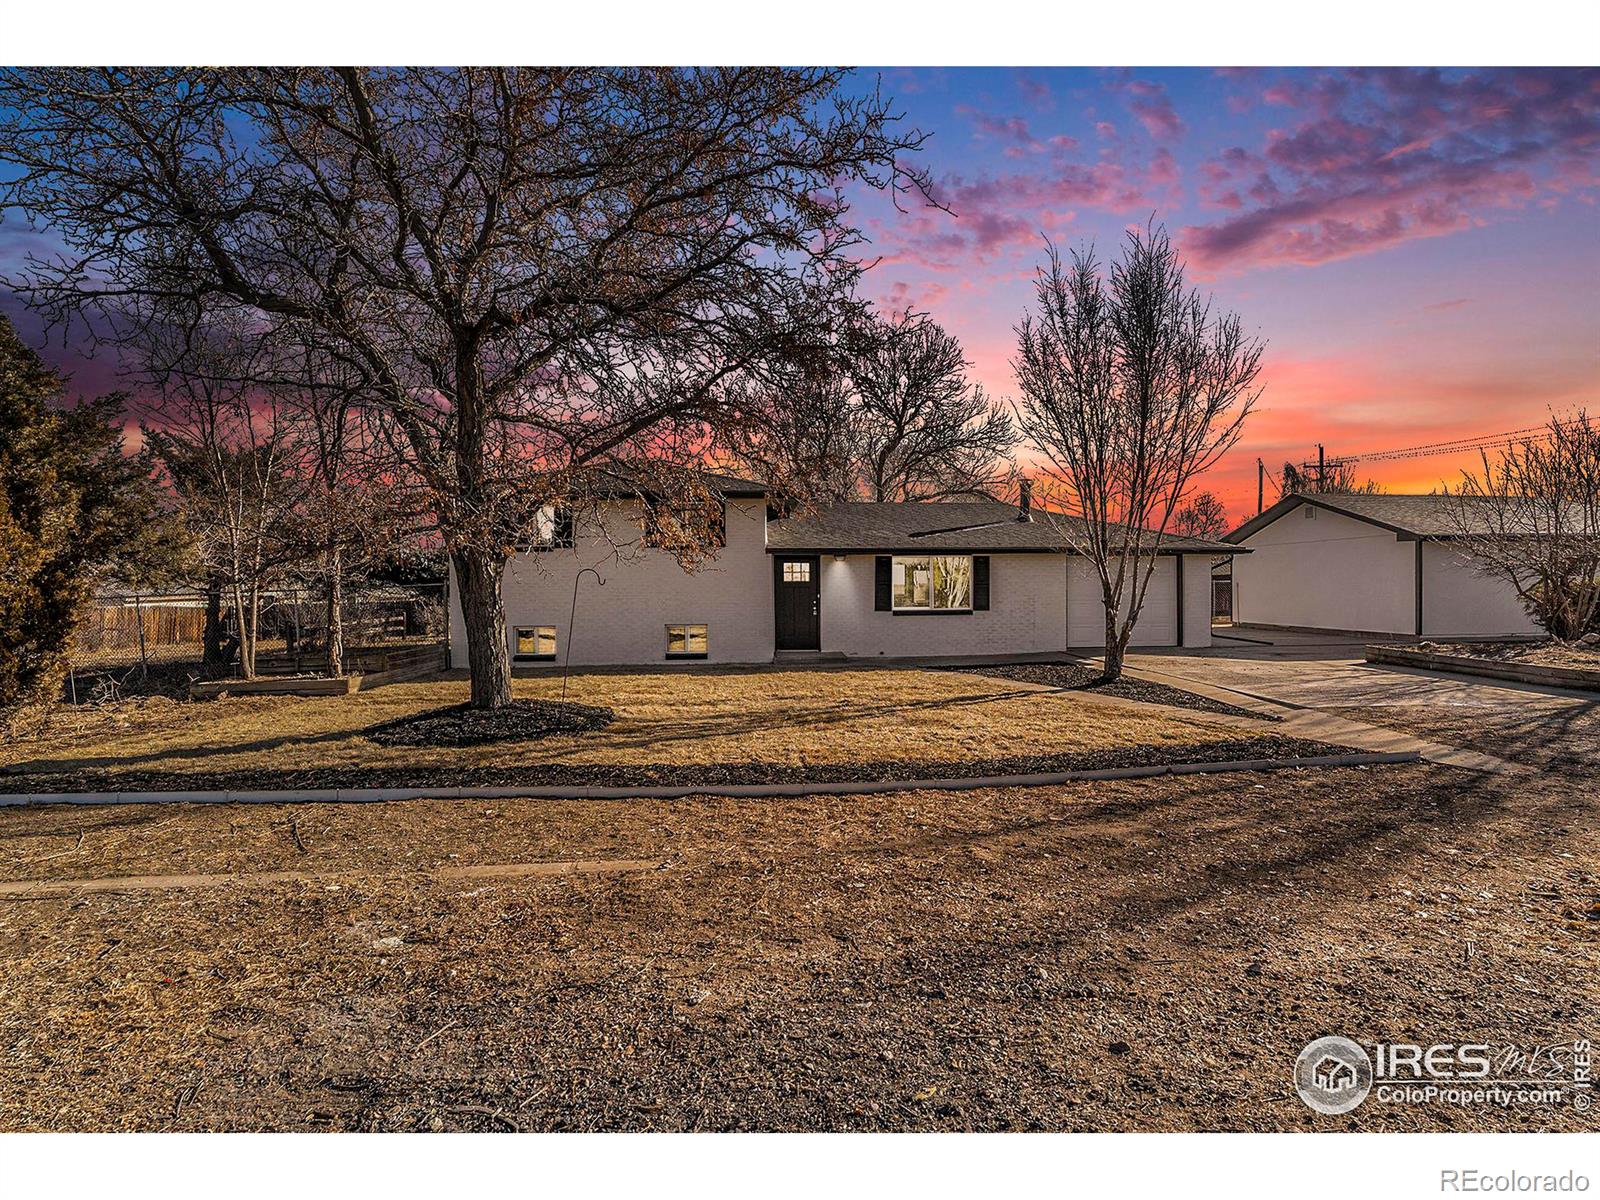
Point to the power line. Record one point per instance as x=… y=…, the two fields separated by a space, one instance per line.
x=1454 y=445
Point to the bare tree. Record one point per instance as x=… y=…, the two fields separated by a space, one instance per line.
x=1531 y=518
x=806 y=451
x=227 y=454
x=352 y=505
x=1332 y=479
x=1202 y=516
x=497 y=248
x=1131 y=387
x=886 y=413
x=922 y=431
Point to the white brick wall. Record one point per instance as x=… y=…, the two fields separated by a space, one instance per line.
x=625 y=621
x=1027 y=613
x=1335 y=572
x=1196 y=600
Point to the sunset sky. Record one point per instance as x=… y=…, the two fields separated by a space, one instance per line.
x=1419 y=248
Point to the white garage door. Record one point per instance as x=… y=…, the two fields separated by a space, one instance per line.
x=1158 y=619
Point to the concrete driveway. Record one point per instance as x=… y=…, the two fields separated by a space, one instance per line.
x=1324 y=672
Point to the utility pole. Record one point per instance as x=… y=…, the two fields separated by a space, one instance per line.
x=1322 y=469
x=1261 y=485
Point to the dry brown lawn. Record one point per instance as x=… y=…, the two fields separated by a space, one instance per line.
x=1146 y=954
x=789 y=717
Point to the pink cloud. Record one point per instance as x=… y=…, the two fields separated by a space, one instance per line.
x=993 y=214
x=1005 y=129
x=1036 y=92
x=1153 y=108
x=1383 y=157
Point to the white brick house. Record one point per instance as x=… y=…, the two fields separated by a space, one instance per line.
x=980 y=579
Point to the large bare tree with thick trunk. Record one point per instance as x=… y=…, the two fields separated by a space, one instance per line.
x=1531 y=517
x=496 y=248
x=1131 y=387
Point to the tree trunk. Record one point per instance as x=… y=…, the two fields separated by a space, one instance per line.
x=335 y=611
x=255 y=626
x=1113 y=661
x=478 y=577
x=212 y=658
x=244 y=614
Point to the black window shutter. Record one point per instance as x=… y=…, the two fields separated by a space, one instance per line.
x=980 y=582
x=882 y=593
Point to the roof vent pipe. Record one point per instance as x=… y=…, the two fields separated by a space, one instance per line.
x=1025 y=500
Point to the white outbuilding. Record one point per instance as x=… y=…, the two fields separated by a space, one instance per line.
x=1384 y=564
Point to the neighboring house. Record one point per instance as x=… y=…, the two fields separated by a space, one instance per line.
x=1367 y=564
x=856 y=580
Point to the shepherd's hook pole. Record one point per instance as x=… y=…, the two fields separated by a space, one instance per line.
x=566 y=667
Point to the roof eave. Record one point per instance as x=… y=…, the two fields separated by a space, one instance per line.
x=1289 y=503
x=1218 y=550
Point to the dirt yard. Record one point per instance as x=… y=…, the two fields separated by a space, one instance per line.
x=742 y=725
x=1141 y=955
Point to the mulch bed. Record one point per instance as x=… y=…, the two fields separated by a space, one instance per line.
x=1542 y=654
x=1075 y=677
x=664 y=775
x=463 y=725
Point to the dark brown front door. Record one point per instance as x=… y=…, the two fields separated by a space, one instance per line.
x=798 y=590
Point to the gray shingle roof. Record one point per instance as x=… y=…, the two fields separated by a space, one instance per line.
x=979 y=526
x=627 y=480
x=1411 y=515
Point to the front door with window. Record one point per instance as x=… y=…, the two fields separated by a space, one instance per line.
x=798 y=589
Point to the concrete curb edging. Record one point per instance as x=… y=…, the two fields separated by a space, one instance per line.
x=737 y=790
x=1576 y=678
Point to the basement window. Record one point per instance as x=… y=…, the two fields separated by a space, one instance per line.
x=534 y=643
x=688 y=641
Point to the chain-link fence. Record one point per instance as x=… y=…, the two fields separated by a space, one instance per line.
x=1221 y=601
x=125 y=637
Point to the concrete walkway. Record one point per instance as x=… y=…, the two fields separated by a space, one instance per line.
x=1306 y=680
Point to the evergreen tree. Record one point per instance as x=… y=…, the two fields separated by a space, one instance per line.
x=75 y=510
